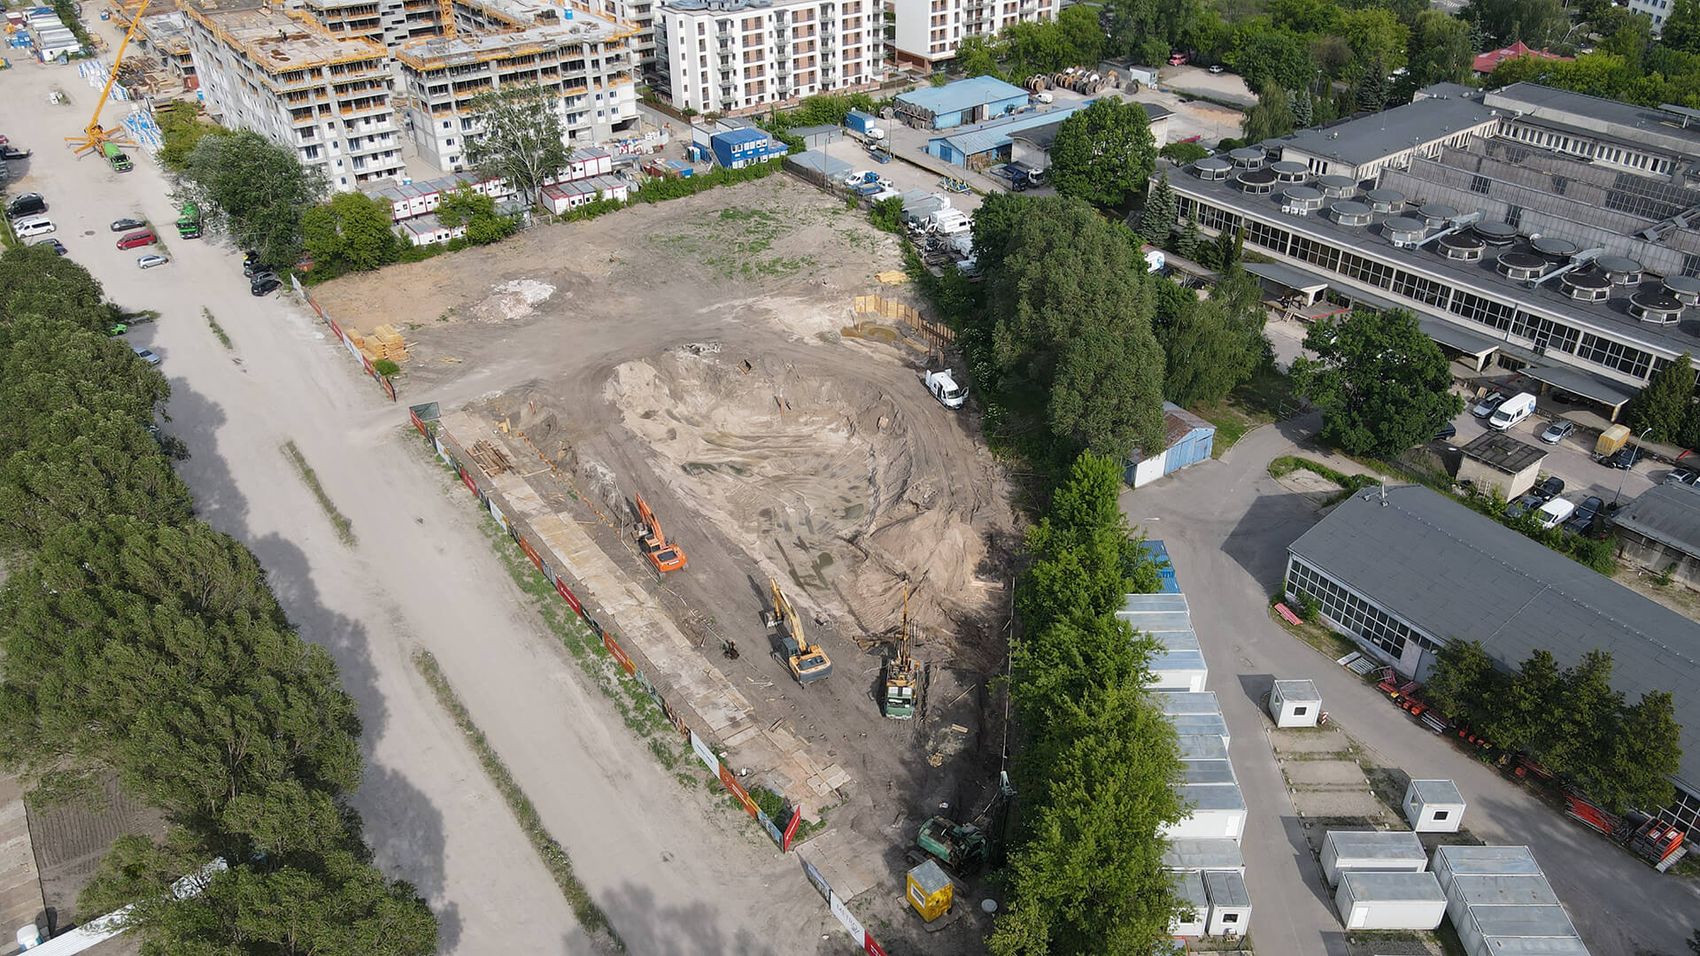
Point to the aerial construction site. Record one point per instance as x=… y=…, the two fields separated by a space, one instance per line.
x=693 y=385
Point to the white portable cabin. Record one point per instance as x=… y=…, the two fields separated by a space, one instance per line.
x=1434 y=806
x=1166 y=617
x=1218 y=812
x=1466 y=893
x=1295 y=703
x=1204 y=855
x=1380 y=851
x=1451 y=861
x=1230 y=905
x=1534 y=923
x=1189 y=889
x=1390 y=901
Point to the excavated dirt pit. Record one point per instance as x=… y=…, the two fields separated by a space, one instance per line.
x=813 y=476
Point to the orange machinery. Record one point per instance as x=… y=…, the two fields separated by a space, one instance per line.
x=664 y=555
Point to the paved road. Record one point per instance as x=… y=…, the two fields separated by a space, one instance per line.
x=677 y=874
x=1227 y=526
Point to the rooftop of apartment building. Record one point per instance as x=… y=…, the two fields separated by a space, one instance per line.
x=711 y=7
x=275 y=41
x=168 y=32
x=469 y=47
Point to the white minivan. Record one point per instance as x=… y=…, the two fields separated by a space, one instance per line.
x=33 y=226
x=1512 y=410
x=1551 y=514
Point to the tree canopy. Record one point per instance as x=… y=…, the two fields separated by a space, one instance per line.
x=255 y=189
x=518 y=135
x=1382 y=385
x=1212 y=346
x=1666 y=403
x=352 y=232
x=1104 y=153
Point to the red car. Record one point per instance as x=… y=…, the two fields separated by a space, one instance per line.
x=144 y=237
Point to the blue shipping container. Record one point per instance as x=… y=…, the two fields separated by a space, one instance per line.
x=1159 y=552
x=859 y=121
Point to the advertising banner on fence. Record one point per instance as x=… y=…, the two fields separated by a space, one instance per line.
x=619 y=653
x=852 y=925
x=705 y=753
x=791 y=829
x=731 y=783
x=567 y=594
x=531 y=553
x=496 y=513
x=873 y=948
x=815 y=878
x=767 y=824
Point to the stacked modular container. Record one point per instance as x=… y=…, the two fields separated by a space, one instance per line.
x=1376 y=851
x=1230 y=905
x=1189 y=889
x=1179 y=664
x=1501 y=905
x=1454 y=861
x=1204 y=856
x=1377 y=901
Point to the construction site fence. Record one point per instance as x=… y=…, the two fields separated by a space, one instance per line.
x=841 y=909
x=939 y=335
x=425 y=417
x=348 y=343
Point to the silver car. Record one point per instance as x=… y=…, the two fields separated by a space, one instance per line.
x=1558 y=430
x=150 y=260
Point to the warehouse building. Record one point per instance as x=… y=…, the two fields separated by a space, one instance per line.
x=984 y=144
x=1495 y=461
x=927 y=31
x=1529 y=229
x=1187 y=440
x=963 y=103
x=283 y=76
x=1660 y=532
x=739 y=56
x=1402 y=570
x=1033 y=145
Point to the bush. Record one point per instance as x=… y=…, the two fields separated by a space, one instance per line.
x=386 y=367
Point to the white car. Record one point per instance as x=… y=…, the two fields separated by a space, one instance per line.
x=944 y=388
x=149 y=261
x=31 y=226
x=1553 y=513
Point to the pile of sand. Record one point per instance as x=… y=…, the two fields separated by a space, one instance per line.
x=515 y=299
x=812 y=476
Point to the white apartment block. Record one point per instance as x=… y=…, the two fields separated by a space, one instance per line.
x=390 y=22
x=1656 y=10
x=734 y=56
x=283 y=76
x=640 y=15
x=927 y=31
x=584 y=60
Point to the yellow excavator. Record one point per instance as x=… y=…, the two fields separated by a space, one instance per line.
x=807 y=661
x=902 y=674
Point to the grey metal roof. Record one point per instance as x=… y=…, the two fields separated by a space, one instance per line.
x=1575 y=380
x=995 y=134
x=1524 y=946
x=961 y=95
x=1043 y=136
x=1501 y=452
x=1177 y=703
x=1189 y=887
x=1668 y=514
x=1501 y=890
x=1437 y=791
x=1212 y=854
x=1536 y=921
x=1202 y=747
x=1207 y=771
x=1454 y=574
x=1376 y=845
x=1189 y=724
x=1461 y=860
x=1298 y=690
x=1291 y=277
x=1211 y=796
x=1369 y=138
x=1640 y=126
x=1365 y=886
x=1226 y=888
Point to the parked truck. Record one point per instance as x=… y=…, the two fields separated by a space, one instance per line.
x=117 y=158
x=189 y=221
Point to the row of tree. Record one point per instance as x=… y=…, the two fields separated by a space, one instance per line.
x=1096 y=772
x=1570 y=719
x=137 y=641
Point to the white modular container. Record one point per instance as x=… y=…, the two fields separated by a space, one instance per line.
x=1295 y=703
x=1450 y=861
x=1434 y=806
x=1208 y=854
x=1189 y=887
x=1381 y=851
x=1230 y=905
x=1218 y=812
x=1382 y=901
x=1465 y=893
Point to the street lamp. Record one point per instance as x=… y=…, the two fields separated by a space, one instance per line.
x=1633 y=454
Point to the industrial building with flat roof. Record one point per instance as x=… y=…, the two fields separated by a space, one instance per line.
x=1543 y=232
x=1404 y=570
x=962 y=103
x=283 y=76
x=738 y=56
x=1660 y=531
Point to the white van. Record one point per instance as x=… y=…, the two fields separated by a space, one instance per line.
x=1553 y=513
x=1512 y=410
x=33 y=226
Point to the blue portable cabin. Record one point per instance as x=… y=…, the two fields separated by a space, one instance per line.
x=1188 y=440
x=860 y=122
x=974 y=100
x=737 y=148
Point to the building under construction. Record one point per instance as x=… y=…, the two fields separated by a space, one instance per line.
x=284 y=76
x=581 y=59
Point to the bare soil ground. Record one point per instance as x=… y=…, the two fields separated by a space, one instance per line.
x=72 y=835
x=704 y=353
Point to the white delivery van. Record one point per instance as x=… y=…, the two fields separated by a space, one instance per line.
x=1512 y=410
x=944 y=388
x=1551 y=514
x=33 y=226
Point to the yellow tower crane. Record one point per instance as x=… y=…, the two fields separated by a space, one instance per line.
x=95 y=137
x=446 y=13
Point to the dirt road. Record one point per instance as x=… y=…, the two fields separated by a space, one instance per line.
x=676 y=874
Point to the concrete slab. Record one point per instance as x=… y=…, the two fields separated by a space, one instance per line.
x=21 y=902
x=1332 y=804
x=1319 y=740
x=1324 y=774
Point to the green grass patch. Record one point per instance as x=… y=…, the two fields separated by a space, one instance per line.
x=1349 y=484
x=1316 y=634
x=339 y=521
x=550 y=851
x=773 y=805
x=1264 y=398
x=8 y=238
x=218 y=330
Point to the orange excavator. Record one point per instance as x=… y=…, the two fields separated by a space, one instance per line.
x=660 y=552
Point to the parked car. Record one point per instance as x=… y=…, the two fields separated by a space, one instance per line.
x=1553 y=512
x=26 y=204
x=12 y=152
x=1582 y=519
x=58 y=246
x=150 y=260
x=1683 y=476
x=1217 y=69
x=33 y=226
x=1488 y=404
x=147 y=355
x=1447 y=432
x=125 y=225
x=263 y=284
x=133 y=240
x=1624 y=457
x=1550 y=487
x=1512 y=411
x=1528 y=503
x=1558 y=430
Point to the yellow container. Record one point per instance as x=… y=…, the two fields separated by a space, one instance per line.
x=930 y=891
x=1612 y=439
